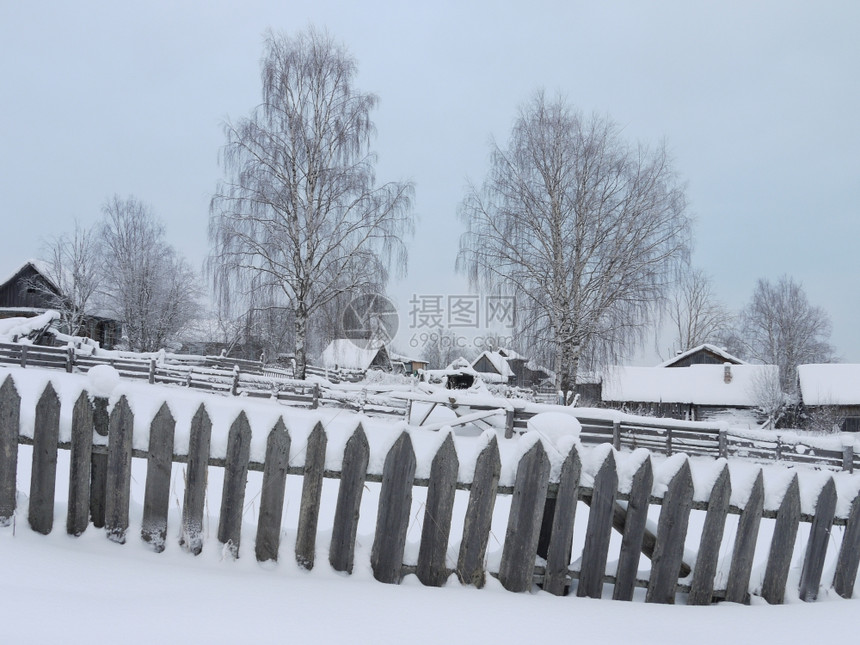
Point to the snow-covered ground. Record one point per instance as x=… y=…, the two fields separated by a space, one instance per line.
x=60 y=588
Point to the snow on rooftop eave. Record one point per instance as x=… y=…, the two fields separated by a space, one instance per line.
x=704 y=346
x=829 y=383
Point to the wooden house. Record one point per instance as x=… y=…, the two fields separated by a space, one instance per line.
x=30 y=292
x=702 y=355
x=345 y=354
x=835 y=386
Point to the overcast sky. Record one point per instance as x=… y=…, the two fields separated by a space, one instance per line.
x=759 y=103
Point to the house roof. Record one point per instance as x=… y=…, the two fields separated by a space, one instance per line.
x=343 y=353
x=728 y=358
x=697 y=384
x=830 y=384
x=39 y=267
x=499 y=363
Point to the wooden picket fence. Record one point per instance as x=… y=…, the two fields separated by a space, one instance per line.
x=540 y=521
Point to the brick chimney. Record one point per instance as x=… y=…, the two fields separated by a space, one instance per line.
x=727 y=373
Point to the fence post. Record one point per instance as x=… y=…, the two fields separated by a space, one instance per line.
x=151 y=371
x=509 y=424
x=778 y=449
x=848 y=458
x=70 y=358
x=668 y=442
x=234 y=390
x=316 y=400
x=23 y=355
x=724 y=444
x=616 y=435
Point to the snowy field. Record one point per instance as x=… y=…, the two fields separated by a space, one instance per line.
x=59 y=588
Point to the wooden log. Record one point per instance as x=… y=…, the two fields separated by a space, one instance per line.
x=737 y=586
x=432 y=567
x=311 y=493
x=10 y=421
x=556 y=579
x=118 y=477
x=479 y=516
x=191 y=538
x=98 y=464
x=634 y=531
x=516 y=571
x=816 y=547
x=235 y=481
x=596 y=549
x=702 y=586
x=347 y=507
x=671 y=533
x=272 y=496
x=80 y=458
x=159 y=463
x=43 y=477
x=782 y=545
x=392 y=520
x=849 y=553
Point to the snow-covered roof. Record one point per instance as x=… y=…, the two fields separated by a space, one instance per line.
x=830 y=384
x=345 y=354
x=698 y=384
x=499 y=363
x=12 y=327
x=406 y=359
x=704 y=347
x=42 y=267
x=510 y=354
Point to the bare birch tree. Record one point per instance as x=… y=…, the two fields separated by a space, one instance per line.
x=697 y=316
x=299 y=217
x=147 y=286
x=780 y=327
x=585 y=230
x=73 y=265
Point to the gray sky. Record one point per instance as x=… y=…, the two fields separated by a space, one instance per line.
x=759 y=103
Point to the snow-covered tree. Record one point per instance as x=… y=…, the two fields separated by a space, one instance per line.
x=146 y=285
x=697 y=316
x=299 y=220
x=584 y=229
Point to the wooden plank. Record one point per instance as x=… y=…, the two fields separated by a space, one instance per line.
x=118 y=477
x=43 y=477
x=159 y=462
x=191 y=538
x=816 y=547
x=98 y=464
x=80 y=458
x=311 y=493
x=272 y=496
x=353 y=475
x=737 y=586
x=10 y=421
x=392 y=519
x=634 y=531
x=516 y=571
x=702 y=586
x=849 y=553
x=561 y=536
x=479 y=516
x=596 y=549
x=235 y=481
x=671 y=533
x=782 y=545
x=432 y=567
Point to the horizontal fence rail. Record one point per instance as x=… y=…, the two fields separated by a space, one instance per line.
x=537 y=544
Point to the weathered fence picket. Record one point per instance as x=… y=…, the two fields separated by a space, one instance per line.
x=598 y=533
x=635 y=519
x=516 y=571
x=702 y=586
x=10 y=412
x=353 y=474
x=235 y=481
x=159 y=464
x=195 y=482
x=816 y=548
x=98 y=463
x=118 y=482
x=782 y=545
x=746 y=537
x=432 y=567
x=556 y=578
x=81 y=450
x=671 y=533
x=392 y=520
x=479 y=516
x=272 y=495
x=849 y=553
x=43 y=476
x=311 y=493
